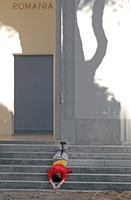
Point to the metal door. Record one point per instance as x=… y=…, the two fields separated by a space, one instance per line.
x=33 y=107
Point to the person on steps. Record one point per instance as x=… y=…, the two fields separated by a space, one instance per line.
x=58 y=172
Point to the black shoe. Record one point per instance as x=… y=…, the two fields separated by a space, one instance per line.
x=63 y=143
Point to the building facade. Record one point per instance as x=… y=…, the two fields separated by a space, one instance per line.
x=68 y=66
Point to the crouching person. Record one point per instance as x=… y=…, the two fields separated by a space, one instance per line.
x=57 y=175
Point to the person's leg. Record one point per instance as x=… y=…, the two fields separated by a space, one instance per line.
x=61 y=154
x=59 y=148
x=65 y=148
x=64 y=152
x=57 y=155
x=62 y=145
x=64 y=156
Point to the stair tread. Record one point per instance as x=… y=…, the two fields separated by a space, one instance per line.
x=67 y=182
x=36 y=158
x=71 y=166
x=72 y=174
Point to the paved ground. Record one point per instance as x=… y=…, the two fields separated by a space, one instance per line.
x=39 y=195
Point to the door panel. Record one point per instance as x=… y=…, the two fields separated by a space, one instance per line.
x=33 y=109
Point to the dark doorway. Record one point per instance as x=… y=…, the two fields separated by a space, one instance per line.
x=33 y=94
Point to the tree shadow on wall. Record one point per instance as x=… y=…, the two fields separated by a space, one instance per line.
x=6 y=123
x=97 y=98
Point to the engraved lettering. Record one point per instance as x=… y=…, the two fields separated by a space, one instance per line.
x=50 y=6
x=41 y=6
x=27 y=6
x=21 y=6
x=32 y=6
x=14 y=6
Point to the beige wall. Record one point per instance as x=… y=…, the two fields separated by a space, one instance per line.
x=34 y=21
x=26 y=27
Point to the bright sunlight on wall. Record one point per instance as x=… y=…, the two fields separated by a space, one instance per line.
x=9 y=44
x=114 y=71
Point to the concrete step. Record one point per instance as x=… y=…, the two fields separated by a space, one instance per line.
x=12 y=161
x=42 y=142
x=73 y=162
x=76 y=169
x=100 y=162
x=72 y=148
x=23 y=165
x=27 y=148
x=71 y=177
x=99 y=177
x=100 y=149
x=23 y=176
x=112 y=156
x=69 y=185
x=27 y=155
x=73 y=155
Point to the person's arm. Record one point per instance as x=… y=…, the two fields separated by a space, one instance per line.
x=59 y=184
x=64 y=177
x=50 y=172
x=68 y=171
x=52 y=183
x=54 y=186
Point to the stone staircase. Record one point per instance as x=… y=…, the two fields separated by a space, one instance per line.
x=23 y=166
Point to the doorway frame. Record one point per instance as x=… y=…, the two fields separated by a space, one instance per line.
x=56 y=75
x=8 y=128
x=53 y=92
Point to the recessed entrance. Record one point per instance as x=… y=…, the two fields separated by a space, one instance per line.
x=33 y=94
